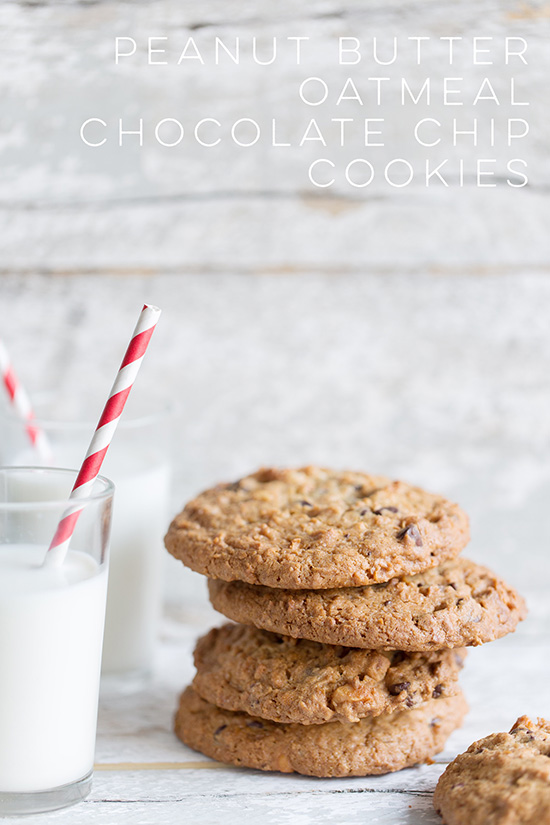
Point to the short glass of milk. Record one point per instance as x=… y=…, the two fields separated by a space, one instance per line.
x=51 y=632
x=138 y=463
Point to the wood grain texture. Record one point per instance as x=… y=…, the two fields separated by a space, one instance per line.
x=67 y=207
x=295 y=234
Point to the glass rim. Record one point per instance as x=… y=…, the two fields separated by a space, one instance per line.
x=107 y=491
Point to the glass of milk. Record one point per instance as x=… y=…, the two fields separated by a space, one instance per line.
x=138 y=463
x=51 y=631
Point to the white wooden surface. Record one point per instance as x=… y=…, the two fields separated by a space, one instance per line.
x=144 y=775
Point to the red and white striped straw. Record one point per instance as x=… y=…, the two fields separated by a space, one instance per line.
x=21 y=403
x=103 y=434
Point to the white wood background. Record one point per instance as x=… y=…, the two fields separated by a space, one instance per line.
x=403 y=331
x=68 y=207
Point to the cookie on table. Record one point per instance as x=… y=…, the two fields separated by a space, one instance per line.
x=277 y=677
x=457 y=604
x=372 y=746
x=316 y=528
x=503 y=779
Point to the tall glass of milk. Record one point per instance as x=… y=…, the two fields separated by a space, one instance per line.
x=138 y=463
x=51 y=630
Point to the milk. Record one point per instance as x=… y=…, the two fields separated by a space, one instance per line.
x=135 y=577
x=51 y=628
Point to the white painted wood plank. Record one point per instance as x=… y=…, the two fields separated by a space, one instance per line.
x=442 y=232
x=348 y=370
x=442 y=381
x=226 y=781
x=376 y=809
x=67 y=208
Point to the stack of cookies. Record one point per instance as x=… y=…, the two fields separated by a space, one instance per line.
x=353 y=609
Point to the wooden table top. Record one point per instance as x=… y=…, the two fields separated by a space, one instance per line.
x=145 y=776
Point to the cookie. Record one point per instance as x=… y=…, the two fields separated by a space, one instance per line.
x=372 y=746
x=291 y=680
x=314 y=528
x=503 y=779
x=457 y=604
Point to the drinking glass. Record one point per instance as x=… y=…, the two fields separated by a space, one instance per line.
x=51 y=631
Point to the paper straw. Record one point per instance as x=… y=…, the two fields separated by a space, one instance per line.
x=21 y=403
x=103 y=434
